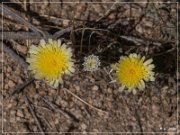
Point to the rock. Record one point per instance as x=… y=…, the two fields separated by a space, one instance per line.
x=7 y=75
x=58 y=100
x=155 y=109
x=37 y=84
x=112 y=16
x=56 y=121
x=20 y=113
x=77 y=87
x=109 y=90
x=95 y=88
x=42 y=93
x=9 y=106
x=20 y=119
x=36 y=96
x=12 y=118
x=1 y=75
x=22 y=49
x=51 y=92
x=34 y=127
x=9 y=69
x=1 y=98
x=6 y=87
x=65 y=23
x=11 y=84
x=63 y=103
x=20 y=81
x=83 y=126
x=1 y=58
x=31 y=120
x=12 y=112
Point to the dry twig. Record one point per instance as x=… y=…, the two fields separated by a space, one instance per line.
x=7 y=11
x=56 y=109
x=139 y=41
x=21 y=87
x=33 y=114
x=20 y=35
x=97 y=109
x=14 y=56
x=62 y=32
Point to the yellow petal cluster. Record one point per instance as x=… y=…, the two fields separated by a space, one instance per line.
x=50 y=61
x=132 y=71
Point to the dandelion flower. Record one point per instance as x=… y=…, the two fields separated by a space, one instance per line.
x=91 y=63
x=50 y=61
x=133 y=70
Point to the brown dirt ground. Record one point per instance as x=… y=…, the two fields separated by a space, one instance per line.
x=153 y=110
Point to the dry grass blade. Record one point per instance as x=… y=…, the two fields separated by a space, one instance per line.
x=91 y=106
x=107 y=12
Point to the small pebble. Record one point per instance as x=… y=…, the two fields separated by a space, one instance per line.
x=20 y=113
x=9 y=69
x=12 y=112
x=11 y=84
x=22 y=49
x=83 y=126
x=77 y=87
x=20 y=119
x=95 y=88
x=12 y=118
x=6 y=86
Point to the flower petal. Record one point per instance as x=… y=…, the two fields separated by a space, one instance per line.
x=152 y=78
x=121 y=88
x=42 y=42
x=33 y=49
x=59 y=42
x=134 y=91
x=151 y=67
x=56 y=84
x=147 y=62
x=50 y=41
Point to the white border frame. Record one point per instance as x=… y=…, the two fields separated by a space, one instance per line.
x=177 y=126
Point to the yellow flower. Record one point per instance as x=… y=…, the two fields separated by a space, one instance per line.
x=133 y=70
x=91 y=63
x=50 y=61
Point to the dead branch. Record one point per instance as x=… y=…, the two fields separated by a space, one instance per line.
x=14 y=56
x=7 y=11
x=138 y=120
x=62 y=32
x=20 y=35
x=139 y=41
x=137 y=116
x=56 y=108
